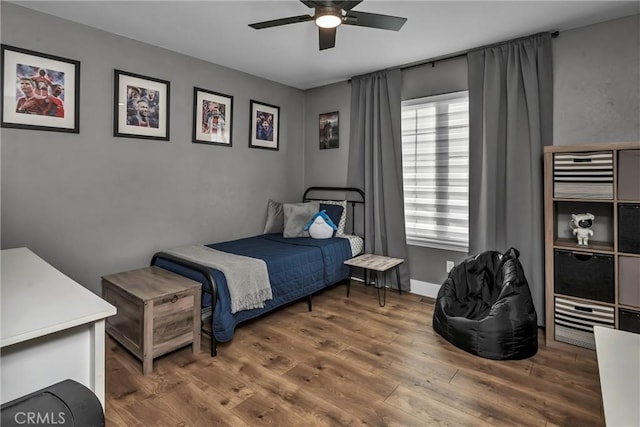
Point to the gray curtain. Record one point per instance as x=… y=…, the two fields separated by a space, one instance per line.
x=510 y=120
x=375 y=164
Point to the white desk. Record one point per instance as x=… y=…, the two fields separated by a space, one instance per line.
x=618 y=355
x=52 y=328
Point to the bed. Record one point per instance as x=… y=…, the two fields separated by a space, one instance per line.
x=296 y=267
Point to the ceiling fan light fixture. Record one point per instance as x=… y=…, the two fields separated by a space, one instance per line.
x=330 y=14
x=330 y=18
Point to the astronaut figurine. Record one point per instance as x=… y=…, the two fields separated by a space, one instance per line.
x=581 y=226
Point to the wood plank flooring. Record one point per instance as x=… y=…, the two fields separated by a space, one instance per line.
x=350 y=362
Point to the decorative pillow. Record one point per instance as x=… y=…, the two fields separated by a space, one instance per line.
x=333 y=211
x=275 y=218
x=321 y=226
x=341 y=223
x=296 y=217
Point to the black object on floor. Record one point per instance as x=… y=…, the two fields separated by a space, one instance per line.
x=67 y=403
x=485 y=307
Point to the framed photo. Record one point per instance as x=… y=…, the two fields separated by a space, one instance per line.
x=39 y=91
x=213 y=117
x=329 y=130
x=265 y=127
x=141 y=106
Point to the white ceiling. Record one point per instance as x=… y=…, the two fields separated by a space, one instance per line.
x=217 y=31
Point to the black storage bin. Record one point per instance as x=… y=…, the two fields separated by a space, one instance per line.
x=629 y=228
x=65 y=404
x=584 y=275
x=629 y=320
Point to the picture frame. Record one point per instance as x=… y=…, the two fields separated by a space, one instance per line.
x=140 y=106
x=39 y=91
x=329 y=130
x=212 y=118
x=264 y=130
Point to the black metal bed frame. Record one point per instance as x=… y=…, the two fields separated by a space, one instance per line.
x=350 y=200
x=353 y=196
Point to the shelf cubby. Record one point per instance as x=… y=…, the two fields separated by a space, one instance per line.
x=599 y=281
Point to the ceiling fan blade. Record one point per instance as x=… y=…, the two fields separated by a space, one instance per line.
x=282 y=21
x=320 y=3
x=310 y=4
x=373 y=20
x=348 y=5
x=327 y=38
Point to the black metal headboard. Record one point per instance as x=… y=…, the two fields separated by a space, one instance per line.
x=353 y=196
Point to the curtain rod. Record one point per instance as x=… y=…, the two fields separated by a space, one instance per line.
x=457 y=55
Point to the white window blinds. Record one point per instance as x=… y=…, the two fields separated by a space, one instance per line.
x=435 y=162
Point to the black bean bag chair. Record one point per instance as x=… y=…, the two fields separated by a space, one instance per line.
x=485 y=307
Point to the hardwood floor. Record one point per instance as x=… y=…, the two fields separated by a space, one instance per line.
x=351 y=362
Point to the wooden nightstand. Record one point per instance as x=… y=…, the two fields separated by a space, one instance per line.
x=158 y=312
x=377 y=264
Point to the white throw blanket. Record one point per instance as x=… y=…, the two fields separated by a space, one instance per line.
x=247 y=278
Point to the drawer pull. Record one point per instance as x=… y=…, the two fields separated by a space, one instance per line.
x=174 y=299
x=582 y=256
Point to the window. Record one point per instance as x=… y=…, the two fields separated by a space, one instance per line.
x=435 y=162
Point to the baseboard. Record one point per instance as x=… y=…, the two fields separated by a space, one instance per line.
x=425 y=289
x=418 y=287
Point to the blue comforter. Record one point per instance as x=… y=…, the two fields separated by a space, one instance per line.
x=298 y=267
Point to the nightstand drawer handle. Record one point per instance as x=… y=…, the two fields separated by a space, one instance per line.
x=174 y=299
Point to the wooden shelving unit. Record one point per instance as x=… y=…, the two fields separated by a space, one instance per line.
x=604 y=245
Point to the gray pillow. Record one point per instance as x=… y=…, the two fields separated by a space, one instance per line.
x=275 y=218
x=296 y=217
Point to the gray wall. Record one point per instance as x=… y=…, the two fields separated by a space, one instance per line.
x=329 y=167
x=596 y=97
x=326 y=167
x=597 y=83
x=92 y=204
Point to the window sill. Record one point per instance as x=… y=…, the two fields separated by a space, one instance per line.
x=441 y=246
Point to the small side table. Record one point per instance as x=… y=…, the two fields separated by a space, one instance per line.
x=378 y=264
x=158 y=312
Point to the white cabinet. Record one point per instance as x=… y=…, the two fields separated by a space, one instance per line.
x=618 y=355
x=52 y=328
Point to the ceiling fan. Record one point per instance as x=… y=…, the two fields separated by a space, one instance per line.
x=330 y=14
